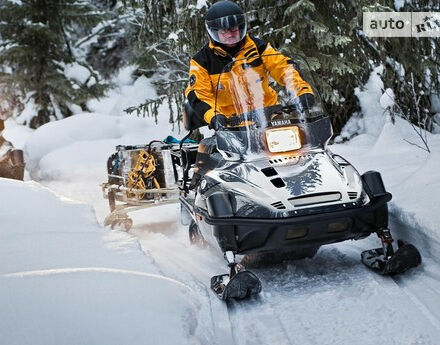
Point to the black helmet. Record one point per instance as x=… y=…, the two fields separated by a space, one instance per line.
x=222 y=17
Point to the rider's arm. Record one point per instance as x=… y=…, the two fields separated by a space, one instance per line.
x=281 y=68
x=199 y=92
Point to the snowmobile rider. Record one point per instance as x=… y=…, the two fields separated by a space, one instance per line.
x=226 y=26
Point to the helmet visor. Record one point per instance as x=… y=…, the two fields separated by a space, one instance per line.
x=227 y=30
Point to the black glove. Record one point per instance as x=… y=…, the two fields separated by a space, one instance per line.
x=218 y=122
x=307 y=100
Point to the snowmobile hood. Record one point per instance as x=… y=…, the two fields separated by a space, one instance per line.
x=311 y=180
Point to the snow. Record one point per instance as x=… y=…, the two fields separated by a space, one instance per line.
x=436 y=124
x=387 y=100
x=201 y=3
x=125 y=76
x=398 y=4
x=409 y=172
x=68 y=280
x=435 y=103
x=124 y=95
x=372 y=123
x=77 y=72
x=16 y=133
x=29 y=111
x=173 y=36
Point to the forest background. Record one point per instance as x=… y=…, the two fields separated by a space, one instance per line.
x=55 y=56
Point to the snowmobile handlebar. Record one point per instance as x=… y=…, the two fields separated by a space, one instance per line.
x=261 y=117
x=257 y=116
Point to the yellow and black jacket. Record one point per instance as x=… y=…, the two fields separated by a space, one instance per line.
x=206 y=76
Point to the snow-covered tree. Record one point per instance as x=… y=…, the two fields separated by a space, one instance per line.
x=108 y=45
x=322 y=32
x=412 y=65
x=328 y=34
x=169 y=32
x=40 y=72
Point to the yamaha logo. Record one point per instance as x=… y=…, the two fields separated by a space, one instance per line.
x=280 y=122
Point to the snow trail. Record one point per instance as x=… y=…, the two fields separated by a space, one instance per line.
x=330 y=299
x=168 y=244
x=50 y=272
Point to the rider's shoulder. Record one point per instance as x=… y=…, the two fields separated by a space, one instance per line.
x=261 y=44
x=202 y=56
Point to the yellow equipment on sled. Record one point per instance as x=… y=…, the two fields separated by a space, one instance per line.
x=141 y=176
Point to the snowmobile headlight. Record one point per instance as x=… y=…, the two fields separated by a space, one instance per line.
x=283 y=139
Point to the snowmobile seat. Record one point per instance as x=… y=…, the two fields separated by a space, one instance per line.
x=192 y=119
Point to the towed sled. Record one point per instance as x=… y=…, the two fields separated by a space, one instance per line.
x=142 y=176
x=266 y=183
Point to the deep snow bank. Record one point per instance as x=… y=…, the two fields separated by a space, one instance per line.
x=410 y=173
x=65 y=280
x=80 y=145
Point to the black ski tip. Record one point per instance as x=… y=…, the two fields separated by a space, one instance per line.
x=406 y=257
x=242 y=285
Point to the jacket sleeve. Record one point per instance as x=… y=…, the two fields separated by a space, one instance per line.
x=281 y=68
x=199 y=92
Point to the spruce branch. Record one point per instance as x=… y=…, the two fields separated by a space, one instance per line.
x=420 y=130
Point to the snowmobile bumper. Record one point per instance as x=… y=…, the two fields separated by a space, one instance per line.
x=254 y=235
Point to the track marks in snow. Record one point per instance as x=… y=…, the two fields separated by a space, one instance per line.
x=420 y=285
x=408 y=297
x=258 y=321
x=427 y=299
x=331 y=299
x=50 y=272
x=194 y=266
x=276 y=313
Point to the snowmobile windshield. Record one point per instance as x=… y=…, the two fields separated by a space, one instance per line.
x=275 y=119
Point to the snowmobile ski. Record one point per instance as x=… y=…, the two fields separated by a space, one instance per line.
x=242 y=285
x=406 y=257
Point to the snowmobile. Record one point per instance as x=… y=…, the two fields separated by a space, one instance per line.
x=268 y=185
x=272 y=185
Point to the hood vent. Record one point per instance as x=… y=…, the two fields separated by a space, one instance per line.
x=279 y=205
x=283 y=160
x=352 y=195
x=278 y=182
x=269 y=172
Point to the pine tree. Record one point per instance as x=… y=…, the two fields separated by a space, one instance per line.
x=169 y=33
x=108 y=45
x=36 y=52
x=321 y=32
